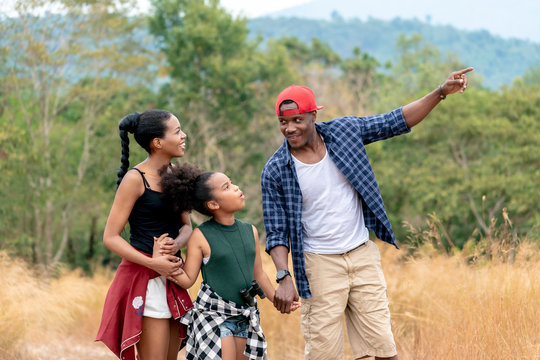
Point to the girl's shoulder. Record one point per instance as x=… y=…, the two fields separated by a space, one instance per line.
x=244 y=224
x=212 y=224
x=205 y=224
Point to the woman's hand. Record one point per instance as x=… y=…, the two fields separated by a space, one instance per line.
x=166 y=265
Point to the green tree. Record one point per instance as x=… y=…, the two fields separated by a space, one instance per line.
x=473 y=156
x=60 y=75
x=360 y=74
x=531 y=77
x=220 y=82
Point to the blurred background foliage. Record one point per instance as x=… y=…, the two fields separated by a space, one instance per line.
x=67 y=77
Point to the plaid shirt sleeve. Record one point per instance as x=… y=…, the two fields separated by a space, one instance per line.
x=373 y=128
x=384 y=126
x=275 y=215
x=345 y=138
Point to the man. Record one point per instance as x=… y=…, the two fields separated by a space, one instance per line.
x=320 y=197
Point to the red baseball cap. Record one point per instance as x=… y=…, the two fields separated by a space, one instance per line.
x=302 y=96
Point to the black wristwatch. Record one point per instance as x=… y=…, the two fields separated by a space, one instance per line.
x=281 y=274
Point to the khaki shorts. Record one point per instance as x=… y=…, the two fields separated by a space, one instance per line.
x=350 y=284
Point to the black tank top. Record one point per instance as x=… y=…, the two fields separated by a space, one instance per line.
x=150 y=217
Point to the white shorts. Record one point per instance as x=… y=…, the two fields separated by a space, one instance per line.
x=156 y=299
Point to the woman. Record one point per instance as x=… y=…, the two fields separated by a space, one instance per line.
x=141 y=305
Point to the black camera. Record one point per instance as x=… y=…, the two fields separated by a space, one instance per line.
x=248 y=294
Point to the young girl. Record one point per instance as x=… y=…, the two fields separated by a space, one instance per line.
x=226 y=250
x=141 y=307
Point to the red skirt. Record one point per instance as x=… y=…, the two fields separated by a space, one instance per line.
x=121 y=321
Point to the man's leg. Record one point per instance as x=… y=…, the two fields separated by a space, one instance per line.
x=322 y=314
x=368 y=314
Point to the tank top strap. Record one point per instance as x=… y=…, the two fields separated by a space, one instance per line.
x=145 y=182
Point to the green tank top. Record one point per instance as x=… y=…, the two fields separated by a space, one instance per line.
x=232 y=257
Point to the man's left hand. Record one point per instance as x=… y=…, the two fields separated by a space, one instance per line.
x=456 y=82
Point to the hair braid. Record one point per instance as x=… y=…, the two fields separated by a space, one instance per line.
x=128 y=123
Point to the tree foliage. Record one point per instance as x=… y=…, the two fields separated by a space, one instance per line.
x=60 y=78
x=219 y=81
x=66 y=79
x=499 y=60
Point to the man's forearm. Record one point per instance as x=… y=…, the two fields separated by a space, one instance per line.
x=419 y=109
x=280 y=257
x=416 y=111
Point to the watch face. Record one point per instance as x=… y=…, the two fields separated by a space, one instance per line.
x=281 y=274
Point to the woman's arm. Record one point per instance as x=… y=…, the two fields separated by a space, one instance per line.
x=130 y=189
x=185 y=231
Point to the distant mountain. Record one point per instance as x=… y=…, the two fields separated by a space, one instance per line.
x=508 y=19
x=497 y=59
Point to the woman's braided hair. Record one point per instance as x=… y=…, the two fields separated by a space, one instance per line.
x=145 y=127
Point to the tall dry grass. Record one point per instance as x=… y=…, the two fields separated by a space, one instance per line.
x=54 y=318
x=442 y=306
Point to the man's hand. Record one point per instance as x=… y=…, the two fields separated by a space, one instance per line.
x=457 y=81
x=285 y=295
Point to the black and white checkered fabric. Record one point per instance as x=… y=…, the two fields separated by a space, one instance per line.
x=203 y=320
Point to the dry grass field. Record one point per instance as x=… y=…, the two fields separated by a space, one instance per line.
x=442 y=308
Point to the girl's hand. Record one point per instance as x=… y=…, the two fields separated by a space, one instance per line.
x=168 y=246
x=157 y=245
x=164 y=245
x=174 y=279
x=295 y=305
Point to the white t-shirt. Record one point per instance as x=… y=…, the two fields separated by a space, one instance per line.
x=332 y=217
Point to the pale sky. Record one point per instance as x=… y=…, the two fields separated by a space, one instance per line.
x=253 y=8
x=516 y=19
x=248 y=8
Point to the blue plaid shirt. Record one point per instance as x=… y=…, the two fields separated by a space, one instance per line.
x=345 y=139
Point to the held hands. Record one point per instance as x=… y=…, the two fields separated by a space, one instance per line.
x=167 y=245
x=286 y=298
x=456 y=82
x=163 y=263
x=295 y=305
